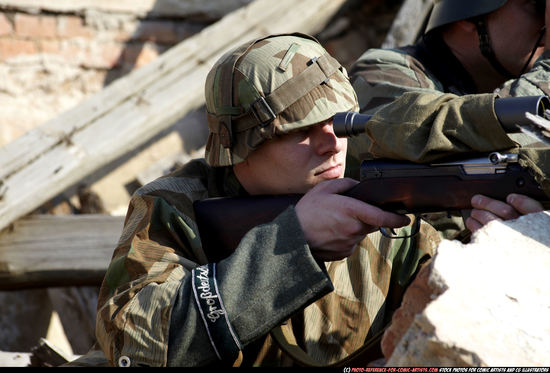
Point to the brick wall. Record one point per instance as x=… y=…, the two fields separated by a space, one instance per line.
x=98 y=41
x=53 y=55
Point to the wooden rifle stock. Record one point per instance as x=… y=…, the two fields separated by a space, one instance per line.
x=224 y=221
x=401 y=187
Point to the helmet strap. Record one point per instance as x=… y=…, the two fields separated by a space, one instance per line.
x=487 y=49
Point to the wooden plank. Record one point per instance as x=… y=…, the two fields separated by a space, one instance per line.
x=51 y=250
x=166 y=165
x=15 y=359
x=407 y=23
x=46 y=354
x=76 y=308
x=54 y=156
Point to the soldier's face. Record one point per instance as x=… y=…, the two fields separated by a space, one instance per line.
x=514 y=29
x=295 y=162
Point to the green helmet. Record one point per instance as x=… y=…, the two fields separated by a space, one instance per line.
x=269 y=87
x=448 y=11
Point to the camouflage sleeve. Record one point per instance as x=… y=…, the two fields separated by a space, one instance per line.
x=414 y=119
x=381 y=75
x=139 y=287
x=148 y=314
x=423 y=127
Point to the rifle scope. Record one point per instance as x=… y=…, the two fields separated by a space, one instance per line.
x=348 y=124
x=511 y=111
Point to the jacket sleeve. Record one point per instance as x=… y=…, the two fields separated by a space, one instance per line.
x=148 y=313
x=422 y=127
x=381 y=75
x=414 y=119
x=270 y=276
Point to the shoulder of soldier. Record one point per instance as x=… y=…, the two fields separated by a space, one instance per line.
x=384 y=73
x=185 y=178
x=379 y=66
x=381 y=56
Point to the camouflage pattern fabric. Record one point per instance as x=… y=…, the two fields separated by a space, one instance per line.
x=381 y=76
x=429 y=109
x=368 y=288
x=146 y=313
x=148 y=309
x=291 y=77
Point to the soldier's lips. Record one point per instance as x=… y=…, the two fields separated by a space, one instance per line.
x=333 y=172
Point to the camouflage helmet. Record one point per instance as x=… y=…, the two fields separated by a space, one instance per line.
x=270 y=87
x=444 y=12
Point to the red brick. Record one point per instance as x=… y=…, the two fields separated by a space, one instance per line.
x=5 y=25
x=49 y=46
x=13 y=47
x=111 y=54
x=72 y=53
x=147 y=55
x=122 y=36
x=105 y=56
x=35 y=26
x=71 y=27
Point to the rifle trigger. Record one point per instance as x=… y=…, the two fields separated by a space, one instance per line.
x=391 y=233
x=385 y=233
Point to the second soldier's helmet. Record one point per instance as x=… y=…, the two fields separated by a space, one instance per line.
x=444 y=12
x=270 y=87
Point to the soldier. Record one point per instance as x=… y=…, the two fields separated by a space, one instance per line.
x=469 y=53
x=320 y=268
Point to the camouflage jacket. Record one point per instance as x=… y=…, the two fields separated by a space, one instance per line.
x=149 y=311
x=442 y=99
x=437 y=111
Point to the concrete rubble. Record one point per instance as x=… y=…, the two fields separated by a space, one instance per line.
x=486 y=303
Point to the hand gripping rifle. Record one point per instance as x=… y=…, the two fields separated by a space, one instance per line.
x=398 y=186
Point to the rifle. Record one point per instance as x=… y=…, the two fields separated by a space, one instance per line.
x=398 y=186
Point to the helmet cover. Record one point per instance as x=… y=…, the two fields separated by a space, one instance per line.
x=270 y=87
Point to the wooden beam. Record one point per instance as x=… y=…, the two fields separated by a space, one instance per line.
x=56 y=155
x=51 y=250
x=15 y=359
